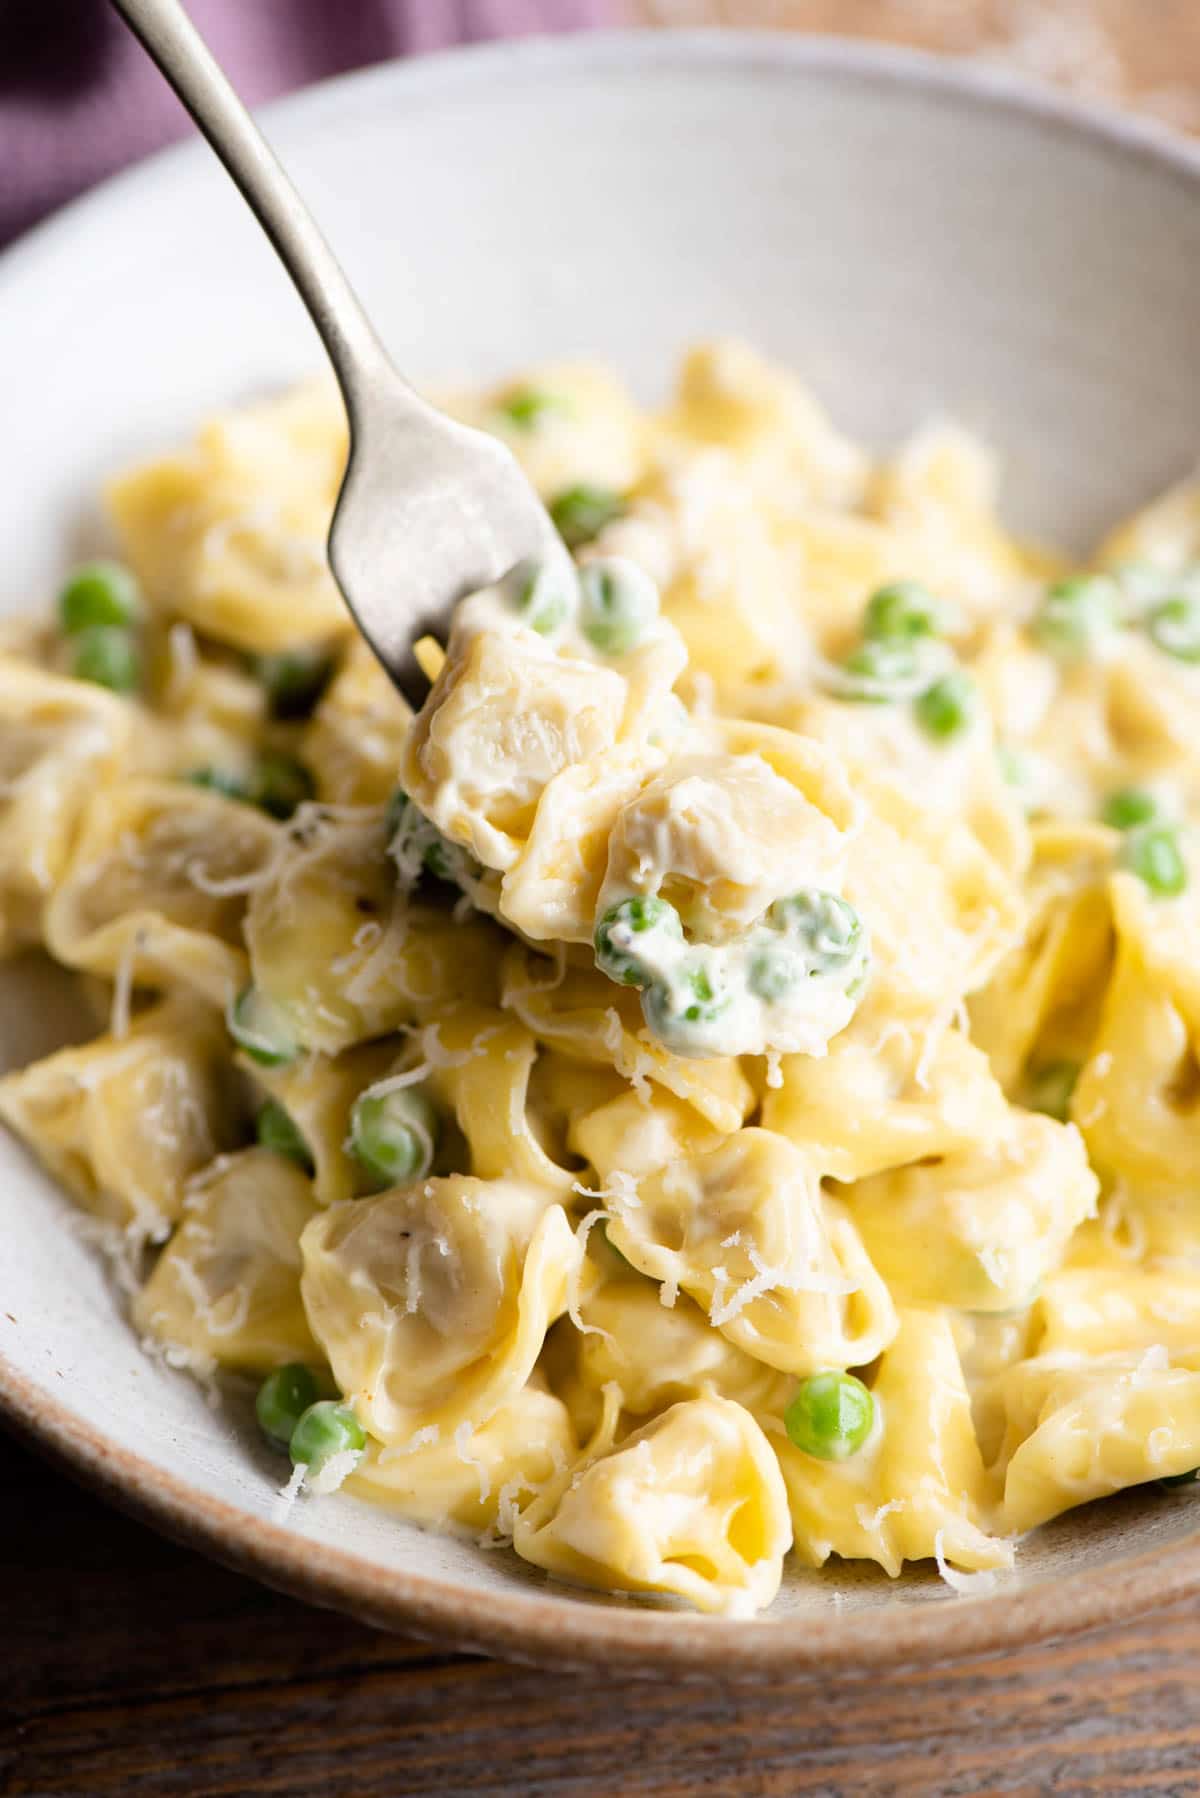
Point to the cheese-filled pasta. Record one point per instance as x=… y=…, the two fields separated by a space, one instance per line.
x=719 y=1079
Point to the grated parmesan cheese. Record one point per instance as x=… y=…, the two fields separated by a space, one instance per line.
x=464 y=1435
x=333 y=1473
x=287 y=1495
x=973 y=1585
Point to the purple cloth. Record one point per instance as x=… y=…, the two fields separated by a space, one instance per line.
x=80 y=98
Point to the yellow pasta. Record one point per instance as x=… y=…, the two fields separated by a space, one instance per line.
x=722 y=1076
x=125 y=1121
x=226 y=1288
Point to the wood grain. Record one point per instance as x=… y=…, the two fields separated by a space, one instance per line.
x=133 y=1667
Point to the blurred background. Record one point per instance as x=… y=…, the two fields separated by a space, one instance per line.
x=78 y=100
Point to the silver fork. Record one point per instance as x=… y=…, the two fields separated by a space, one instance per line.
x=429 y=509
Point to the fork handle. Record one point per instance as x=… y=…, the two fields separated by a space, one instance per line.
x=172 y=41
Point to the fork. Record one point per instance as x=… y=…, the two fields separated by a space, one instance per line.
x=429 y=509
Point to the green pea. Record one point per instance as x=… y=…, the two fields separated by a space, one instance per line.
x=260 y=1027
x=946 y=708
x=1152 y=852
x=617 y=604
x=1051 y=1087
x=415 y=844
x=294 y=679
x=542 y=596
x=695 y=997
x=825 y=925
x=218 y=780
x=1179 y=1479
x=96 y=594
x=283 y=1398
x=830 y=1417
x=1175 y=627
x=278 y=784
x=1077 y=615
x=276 y=1130
x=325 y=1429
x=873 y=672
x=393 y=1136
x=704 y=999
x=617 y=930
x=580 y=513
x=107 y=656
x=774 y=971
x=1130 y=806
x=903 y=609
x=527 y=407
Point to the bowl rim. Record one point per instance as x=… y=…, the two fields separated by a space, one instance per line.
x=549 y=1624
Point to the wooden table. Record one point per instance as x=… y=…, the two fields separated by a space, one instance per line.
x=132 y=1667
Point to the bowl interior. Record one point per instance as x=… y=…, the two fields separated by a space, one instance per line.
x=910 y=239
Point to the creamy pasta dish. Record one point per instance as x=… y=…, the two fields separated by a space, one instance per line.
x=721 y=1080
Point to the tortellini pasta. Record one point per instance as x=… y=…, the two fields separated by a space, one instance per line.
x=126 y=1121
x=777 y=1265
x=59 y=742
x=919 y=1489
x=720 y=1078
x=157 y=886
x=498 y=726
x=476 y=1478
x=227 y=1286
x=1082 y=1428
x=334 y=944
x=978 y=1229
x=432 y=1302
x=692 y=1503
x=230 y=535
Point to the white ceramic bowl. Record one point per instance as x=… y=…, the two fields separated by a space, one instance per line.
x=913 y=237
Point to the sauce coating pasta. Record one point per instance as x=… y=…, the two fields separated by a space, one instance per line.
x=721 y=1080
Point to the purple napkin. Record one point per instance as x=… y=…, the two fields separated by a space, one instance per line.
x=79 y=97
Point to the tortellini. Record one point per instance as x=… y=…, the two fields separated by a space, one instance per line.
x=692 y=1503
x=59 y=741
x=335 y=945
x=552 y=892
x=1135 y=1099
x=722 y=1074
x=227 y=1286
x=778 y=1267
x=355 y=738
x=157 y=886
x=478 y=1478
x=1080 y=1429
x=978 y=1229
x=652 y=1355
x=486 y=1060
x=432 y=1302
x=877 y=1103
x=722 y=834
x=498 y=726
x=231 y=534
x=584 y=1015
x=125 y=1121
x=919 y=1489
x=566 y=423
